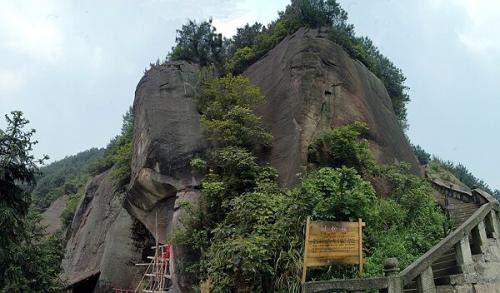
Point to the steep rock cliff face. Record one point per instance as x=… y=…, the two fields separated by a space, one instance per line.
x=100 y=252
x=310 y=84
x=167 y=135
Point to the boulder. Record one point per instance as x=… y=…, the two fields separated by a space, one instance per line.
x=311 y=84
x=51 y=217
x=100 y=252
x=167 y=135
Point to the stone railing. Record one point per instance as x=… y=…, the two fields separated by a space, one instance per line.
x=475 y=195
x=469 y=238
x=390 y=283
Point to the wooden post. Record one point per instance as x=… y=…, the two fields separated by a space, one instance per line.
x=360 y=231
x=306 y=245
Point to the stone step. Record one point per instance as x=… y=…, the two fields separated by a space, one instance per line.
x=450 y=254
x=445 y=272
x=444 y=264
x=445 y=289
x=456 y=279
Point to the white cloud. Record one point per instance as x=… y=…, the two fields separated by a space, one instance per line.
x=10 y=81
x=30 y=28
x=249 y=11
x=481 y=26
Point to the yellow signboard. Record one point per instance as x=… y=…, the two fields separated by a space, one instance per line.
x=330 y=243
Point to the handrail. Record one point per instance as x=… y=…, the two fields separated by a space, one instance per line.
x=450 y=186
x=347 y=285
x=426 y=260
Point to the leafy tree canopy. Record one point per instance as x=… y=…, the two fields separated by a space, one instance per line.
x=63 y=177
x=422 y=156
x=198 y=43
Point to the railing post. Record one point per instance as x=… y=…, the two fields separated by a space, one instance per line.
x=425 y=282
x=492 y=218
x=391 y=270
x=483 y=237
x=464 y=255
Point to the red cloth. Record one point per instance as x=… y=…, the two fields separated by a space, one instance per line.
x=166 y=252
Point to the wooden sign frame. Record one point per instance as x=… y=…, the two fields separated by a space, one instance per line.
x=351 y=258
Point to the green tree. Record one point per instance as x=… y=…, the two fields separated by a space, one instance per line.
x=246 y=36
x=199 y=43
x=315 y=14
x=27 y=264
x=226 y=106
x=422 y=156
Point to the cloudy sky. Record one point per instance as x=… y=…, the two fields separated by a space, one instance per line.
x=72 y=66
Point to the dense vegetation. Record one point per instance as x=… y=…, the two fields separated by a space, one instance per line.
x=28 y=263
x=247 y=232
x=202 y=44
x=65 y=177
x=423 y=157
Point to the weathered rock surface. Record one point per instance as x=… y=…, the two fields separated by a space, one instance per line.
x=100 y=244
x=311 y=83
x=51 y=217
x=167 y=135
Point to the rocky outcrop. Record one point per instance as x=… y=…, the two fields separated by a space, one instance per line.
x=311 y=84
x=167 y=135
x=100 y=252
x=51 y=217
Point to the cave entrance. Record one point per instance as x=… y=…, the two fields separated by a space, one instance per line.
x=86 y=285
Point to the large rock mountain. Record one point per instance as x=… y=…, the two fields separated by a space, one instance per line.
x=310 y=84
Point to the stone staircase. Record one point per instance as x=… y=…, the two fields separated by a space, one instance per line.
x=461 y=202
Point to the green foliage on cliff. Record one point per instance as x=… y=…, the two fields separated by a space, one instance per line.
x=26 y=260
x=199 y=43
x=227 y=115
x=248 y=233
x=70 y=206
x=422 y=156
x=342 y=146
x=202 y=44
x=118 y=153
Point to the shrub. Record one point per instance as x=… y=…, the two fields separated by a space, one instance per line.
x=70 y=207
x=342 y=146
x=422 y=156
